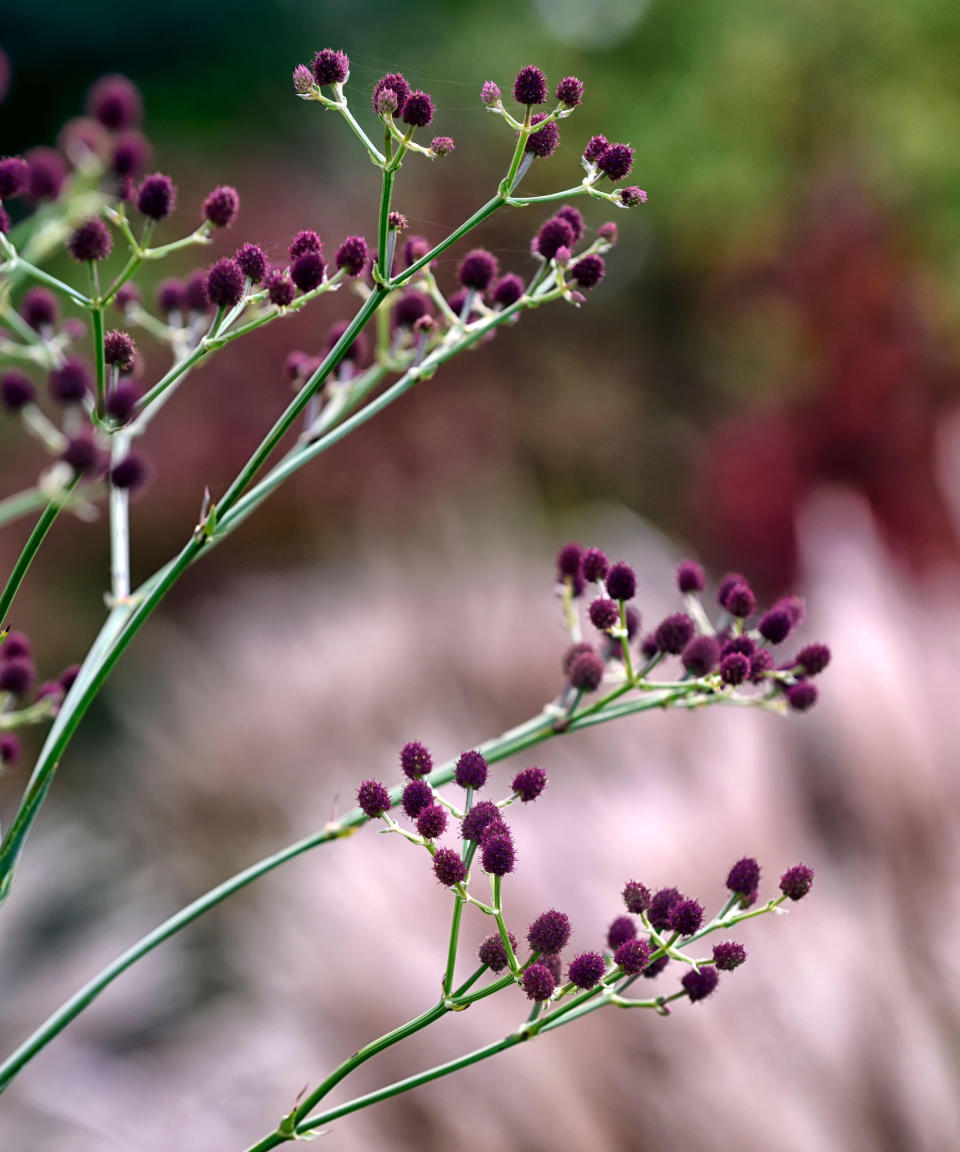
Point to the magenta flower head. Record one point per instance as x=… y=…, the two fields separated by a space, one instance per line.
x=802 y=696
x=442 y=145
x=477 y=269
x=615 y=161
x=699 y=984
x=620 y=930
x=307 y=271
x=530 y=86
x=414 y=249
x=397 y=222
x=409 y=308
x=116 y=102
x=127 y=295
x=661 y=905
x=686 y=916
x=490 y=94
x=492 y=952
x=331 y=67
x=432 y=821
x=90 y=240
x=796 y=882
x=633 y=956
x=71 y=382
x=280 y=289
x=586 y=672
x=387 y=102
x=734 y=668
x=131 y=153
x=305 y=241
x=742 y=644
x=303 y=80
x=539 y=982
x=550 y=932
x=396 y=83
x=225 y=283
x=373 y=798
x=569 y=559
x=740 y=601
x=813 y=658
x=39 y=308
x=621 y=582
x=573 y=218
x=608 y=232
x=478 y=819
x=728 y=954
x=760 y=664
x=554 y=234
x=252 y=261
x=131 y=473
x=529 y=783
x=636 y=896
x=119 y=351
x=415 y=760
x=221 y=206
x=632 y=196
x=604 y=614
x=690 y=577
x=82 y=454
x=744 y=876
x=418 y=109
x=471 y=770
x=596 y=146
x=674 y=633
x=352 y=255
x=570 y=91
x=588 y=271
x=507 y=290
x=14 y=176
x=448 y=868
x=9 y=749
x=48 y=173
x=594 y=565
x=775 y=625
x=572 y=653
x=121 y=401
x=700 y=656
x=546 y=140
x=586 y=969
x=172 y=297
x=16 y=392
x=16 y=675
x=16 y=644
x=416 y=796
x=498 y=855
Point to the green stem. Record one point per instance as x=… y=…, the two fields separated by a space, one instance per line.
x=96 y=310
x=13 y=507
x=389 y=175
x=452 y=947
x=30 y=549
x=46 y=278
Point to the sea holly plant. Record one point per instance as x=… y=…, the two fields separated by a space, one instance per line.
x=95 y=201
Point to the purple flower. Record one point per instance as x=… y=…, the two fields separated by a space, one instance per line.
x=305 y=241
x=492 y=952
x=813 y=658
x=588 y=271
x=396 y=83
x=686 y=916
x=131 y=153
x=608 y=232
x=126 y=295
x=90 y=240
x=744 y=877
x=39 y=308
x=760 y=663
x=116 y=102
x=596 y=146
x=418 y=109
x=490 y=94
x=728 y=954
x=416 y=796
x=742 y=644
x=302 y=80
x=700 y=656
x=498 y=854
x=734 y=668
x=172 y=296
x=352 y=255
x=373 y=798
x=448 y=868
x=620 y=931
x=409 y=308
x=570 y=91
x=121 y=401
x=119 y=351
x=130 y=473
x=71 y=381
x=636 y=896
x=621 y=582
x=477 y=269
x=572 y=653
x=415 y=760
x=507 y=290
x=615 y=161
x=252 y=261
x=797 y=881
x=221 y=206
x=539 y=982
x=632 y=956
x=586 y=969
x=604 y=614
x=16 y=644
x=5 y=222
x=729 y=582
x=550 y=932
x=82 y=454
x=573 y=218
x=802 y=696
x=554 y=234
x=280 y=289
x=775 y=625
x=432 y=821
x=476 y=821
x=225 y=283
x=632 y=196
x=14 y=176
x=16 y=675
x=442 y=145
x=16 y=392
x=674 y=633
x=48 y=172
x=661 y=905
x=307 y=271
x=699 y=984
x=9 y=749
x=529 y=783
x=331 y=66
x=586 y=672
x=655 y=967
x=530 y=86
x=690 y=577
x=740 y=601
x=546 y=140
x=471 y=770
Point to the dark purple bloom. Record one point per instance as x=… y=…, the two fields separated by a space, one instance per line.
x=530 y=86
x=126 y=295
x=586 y=969
x=742 y=644
x=570 y=91
x=493 y=953
x=699 y=984
x=14 y=176
x=416 y=796
x=594 y=565
x=802 y=696
x=573 y=218
x=71 y=381
x=280 y=289
x=16 y=392
x=649 y=647
x=442 y=145
x=529 y=783
x=82 y=454
x=775 y=625
x=476 y=821
x=546 y=140
x=728 y=954
x=415 y=248
x=221 y=206
x=471 y=770
x=225 y=283
x=9 y=749
x=432 y=822
x=539 y=982
x=586 y=672
x=90 y=240
x=744 y=877
x=813 y=658
x=686 y=916
x=797 y=881
x=16 y=644
x=307 y=271
x=661 y=905
x=760 y=663
x=794 y=607
x=740 y=601
x=130 y=473
x=477 y=269
x=498 y=854
x=507 y=290
x=121 y=401
x=397 y=222
x=352 y=255
x=68 y=675
x=620 y=931
x=690 y=577
x=418 y=109
x=410 y=307
x=115 y=101
x=734 y=668
x=588 y=271
x=636 y=896
x=674 y=633
x=39 y=308
x=632 y=196
x=621 y=582
x=604 y=614
x=303 y=80
x=632 y=956
x=48 y=173
x=396 y=83
x=554 y=234
x=615 y=161
x=700 y=656
x=553 y=966
x=608 y=232
x=172 y=297
x=16 y=675
x=252 y=261
x=550 y=932
x=730 y=581
x=568 y=560
x=655 y=967
x=331 y=66
x=119 y=351
x=573 y=652
x=596 y=146
x=448 y=868
x=305 y=241
x=490 y=94
x=131 y=153
x=373 y=798
x=415 y=760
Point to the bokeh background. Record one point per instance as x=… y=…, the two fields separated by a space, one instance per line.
x=766 y=379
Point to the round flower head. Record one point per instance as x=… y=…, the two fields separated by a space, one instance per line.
x=775 y=625
x=734 y=668
x=620 y=931
x=728 y=954
x=477 y=269
x=802 y=696
x=305 y=241
x=302 y=80
x=352 y=255
x=14 y=176
x=586 y=969
x=553 y=965
x=588 y=271
x=760 y=664
x=730 y=581
x=17 y=644
x=397 y=222
x=448 y=868
x=616 y=161
x=498 y=855
x=16 y=675
x=744 y=876
x=686 y=917
x=416 y=796
x=415 y=760
x=432 y=822
x=221 y=206
x=373 y=798
x=550 y=932
x=539 y=982
x=478 y=819
x=740 y=601
x=130 y=155
x=417 y=110
x=632 y=956
x=496 y=827
x=131 y=473
x=492 y=952
x=507 y=290
x=700 y=656
x=82 y=454
x=572 y=653
x=699 y=984
x=608 y=232
x=127 y=295
x=387 y=102
x=39 y=308
x=119 y=351
x=414 y=249
x=410 y=307
x=632 y=196
x=596 y=146
x=574 y=219
x=636 y=896
x=530 y=86
x=307 y=271
x=490 y=94
x=70 y=382
x=172 y=296
x=570 y=91
x=9 y=749
x=331 y=66
x=121 y=401
x=690 y=577
x=16 y=391
x=442 y=145
x=604 y=614
x=586 y=672
x=90 y=240
x=594 y=565
x=115 y=101
x=655 y=967
x=252 y=261
x=546 y=140
x=280 y=289
x=471 y=770
x=621 y=582
x=554 y=234
x=649 y=647
x=568 y=560
x=48 y=173
x=356 y=350
x=813 y=658
x=796 y=882
x=661 y=905
x=674 y=633
x=742 y=644
x=529 y=783
x=396 y=83
x=225 y=282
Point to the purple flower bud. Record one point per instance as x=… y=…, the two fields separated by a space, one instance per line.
x=16 y=392
x=530 y=86
x=116 y=102
x=596 y=146
x=570 y=91
x=554 y=234
x=432 y=822
x=127 y=295
x=615 y=161
x=661 y=905
x=252 y=261
x=620 y=931
x=588 y=271
x=415 y=248
x=734 y=668
x=356 y=351
x=744 y=877
x=417 y=110
x=39 y=308
x=409 y=308
x=415 y=760
x=699 y=984
x=550 y=932
x=9 y=749
x=71 y=381
x=690 y=577
x=586 y=672
x=307 y=271
x=636 y=896
x=742 y=644
x=775 y=625
x=632 y=956
x=130 y=473
x=507 y=290
x=172 y=296
x=586 y=970
x=632 y=196
x=305 y=241
x=442 y=145
x=572 y=653
x=553 y=966
x=740 y=601
x=225 y=283
x=121 y=401
x=655 y=967
x=16 y=676
x=796 y=882
x=686 y=916
x=674 y=633
x=14 y=176
x=621 y=582
x=416 y=796
x=221 y=206
x=728 y=954
x=608 y=232
x=397 y=222
x=331 y=67
x=492 y=952
x=352 y=255
x=539 y=982
x=529 y=783
x=477 y=269
x=17 y=644
x=498 y=855
x=604 y=614
x=448 y=868
x=700 y=656
x=302 y=80
x=48 y=173
x=471 y=770
x=373 y=798
x=478 y=819
x=490 y=94
x=90 y=240
x=813 y=658
x=394 y=81
x=802 y=696
x=119 y=351
x=280 y=289
x=82 y=454
x=760 y=663
x=387 y=102
x=546 y=140
x=130 y=155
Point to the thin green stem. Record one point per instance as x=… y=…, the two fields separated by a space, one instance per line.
x=13 y=507
x=96 y=310
x=452 y=947
x=32 y=546
x=46 y=278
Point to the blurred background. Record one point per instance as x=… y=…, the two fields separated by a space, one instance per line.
x=766 y=379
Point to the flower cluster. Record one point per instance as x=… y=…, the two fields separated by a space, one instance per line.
x=22 y=700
